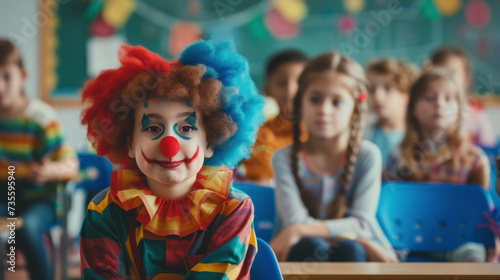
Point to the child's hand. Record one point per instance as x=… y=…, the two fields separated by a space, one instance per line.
x=375 y=252
x=42 y=172
x=286 y=239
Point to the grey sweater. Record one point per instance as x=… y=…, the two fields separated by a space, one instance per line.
x=362 y=196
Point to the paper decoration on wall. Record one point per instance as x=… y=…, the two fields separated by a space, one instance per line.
x=182 y=34
x=354 y=6
x=94 y=9
x=346 y=24
x=478 y=13
x=429 y=10
x=100 y=28
x=258 y=29
x=279 y=27
x=293 y=11
x=101 y=54
x=193 y=8
x=117 y=12
x=448 y=7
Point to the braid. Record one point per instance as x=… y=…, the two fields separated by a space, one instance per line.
x=307 y=198
x=338 y=206
x=341 y=64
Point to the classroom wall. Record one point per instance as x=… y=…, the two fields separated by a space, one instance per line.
x=16 y=19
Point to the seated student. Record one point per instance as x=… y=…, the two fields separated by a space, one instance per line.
x=33 y=147
x=282 y=73
x=436 y=148
x=328 y=187
x=390 y=82
x=457 y=61
x=172 y=212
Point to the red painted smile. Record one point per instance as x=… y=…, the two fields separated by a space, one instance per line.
x=170 y=164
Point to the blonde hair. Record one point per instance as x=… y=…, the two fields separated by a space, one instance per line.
x=402 y=73
x=340 y=64
x=456 y=138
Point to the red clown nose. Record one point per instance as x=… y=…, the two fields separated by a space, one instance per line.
x=169 y=147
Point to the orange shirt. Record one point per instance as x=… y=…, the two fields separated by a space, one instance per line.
x=273 y=135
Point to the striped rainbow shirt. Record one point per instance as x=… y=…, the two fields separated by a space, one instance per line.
x=129 y=233
x=31 y=137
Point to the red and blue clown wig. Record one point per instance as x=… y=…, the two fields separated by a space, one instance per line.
x=209 y=75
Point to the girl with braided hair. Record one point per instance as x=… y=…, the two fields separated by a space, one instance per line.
x=172 y=212
x=327 y=187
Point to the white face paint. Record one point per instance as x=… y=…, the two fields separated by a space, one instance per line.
x=169 y=141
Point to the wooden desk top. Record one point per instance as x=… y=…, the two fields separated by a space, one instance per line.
x=388 y=271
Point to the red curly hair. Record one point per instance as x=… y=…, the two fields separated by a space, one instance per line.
x=110 y=100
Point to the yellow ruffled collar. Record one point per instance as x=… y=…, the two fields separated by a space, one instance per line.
x=163 y=216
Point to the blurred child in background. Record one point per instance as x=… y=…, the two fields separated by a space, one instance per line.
x=390 y=82
x=31 y=140
x=436 y=147
x=282 y=73
x=328 y=186
x=457 y=61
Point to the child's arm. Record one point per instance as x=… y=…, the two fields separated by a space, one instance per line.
x=101 y=250
x=481 y=171
x=56 y=159
x=62 y=170
x=361 y=214
x=232 y=247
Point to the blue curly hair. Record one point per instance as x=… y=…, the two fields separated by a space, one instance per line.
x=239 y=97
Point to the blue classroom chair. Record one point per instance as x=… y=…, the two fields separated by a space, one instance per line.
x=89 y=163
x=427 y=217
x=265 y=265
x=264 y=208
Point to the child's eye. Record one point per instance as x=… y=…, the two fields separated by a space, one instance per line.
x=388 y=88
x=6 y=77
x=430 y=98
x=337 y=102
x=153 y=129
x=372 y=89
x=282 y=83
x=186 y=129
x=315 y=100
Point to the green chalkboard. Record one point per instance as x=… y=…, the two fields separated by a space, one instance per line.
x=408 y=34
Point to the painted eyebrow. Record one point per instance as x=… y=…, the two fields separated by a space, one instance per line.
x=184 y=114
x=154 y=116
x=158 y=116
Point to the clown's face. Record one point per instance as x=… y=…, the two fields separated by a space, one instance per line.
x=168 y=143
